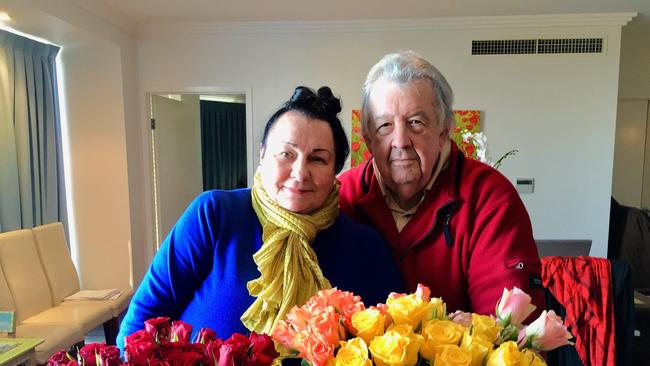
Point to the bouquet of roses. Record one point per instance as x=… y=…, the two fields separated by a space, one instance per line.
x=167 y=343
x=334 y=328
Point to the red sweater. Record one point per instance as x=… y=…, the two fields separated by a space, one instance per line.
x=470 y=237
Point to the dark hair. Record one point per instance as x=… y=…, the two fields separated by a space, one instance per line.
x=322 y=105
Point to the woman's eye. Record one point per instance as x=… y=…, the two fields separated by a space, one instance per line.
x=284 y=155
x=318 y=159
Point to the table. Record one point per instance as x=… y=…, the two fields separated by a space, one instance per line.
x=22 y=352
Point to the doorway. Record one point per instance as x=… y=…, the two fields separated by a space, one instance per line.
x=199 y=142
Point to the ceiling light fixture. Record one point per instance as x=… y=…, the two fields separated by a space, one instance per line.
x=4 y=16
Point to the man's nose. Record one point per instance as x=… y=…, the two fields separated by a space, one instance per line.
x=401 y=136
x=299 y=169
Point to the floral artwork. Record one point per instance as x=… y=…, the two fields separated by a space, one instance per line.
x=467 y=122
x=359 y=153
x=334 y=328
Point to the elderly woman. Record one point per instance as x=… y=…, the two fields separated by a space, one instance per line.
x=237 y=261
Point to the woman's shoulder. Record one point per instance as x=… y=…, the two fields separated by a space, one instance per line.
x=223 y=198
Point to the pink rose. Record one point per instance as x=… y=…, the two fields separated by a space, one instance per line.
x=159 y=328
x=514 y=307
x=462 y=318
x=547 y=332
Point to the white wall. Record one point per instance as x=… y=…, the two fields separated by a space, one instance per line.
x=559 y=111
x=99 y=195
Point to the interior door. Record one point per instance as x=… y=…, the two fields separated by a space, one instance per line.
x=177 y=169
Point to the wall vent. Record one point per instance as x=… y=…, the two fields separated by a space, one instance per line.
x=537 y=46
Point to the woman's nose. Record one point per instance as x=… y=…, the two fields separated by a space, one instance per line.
x=299 y=169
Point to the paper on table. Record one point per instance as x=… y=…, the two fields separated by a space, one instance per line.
x=107 y=294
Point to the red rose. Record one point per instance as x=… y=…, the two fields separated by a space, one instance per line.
x=234 y=351
x=183 y=359
x=157 y=362
x=61 y=358
x=206 y=335
x=159 y=328
x=180 y=332
x=212 y=351
x=263 y=351
x=355 y=146
x=138 y=348
x=88 y=354
x=110 y=356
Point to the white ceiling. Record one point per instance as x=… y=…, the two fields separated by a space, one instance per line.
x=148 y=11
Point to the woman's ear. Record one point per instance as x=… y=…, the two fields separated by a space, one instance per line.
x=262 y=151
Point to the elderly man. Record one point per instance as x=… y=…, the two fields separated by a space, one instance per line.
x=454 y=224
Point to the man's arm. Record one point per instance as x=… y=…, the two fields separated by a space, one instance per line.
x=503 y=252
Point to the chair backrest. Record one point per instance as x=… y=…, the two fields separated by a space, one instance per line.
x=25 y=277
x=6 y=300
x=57 y=262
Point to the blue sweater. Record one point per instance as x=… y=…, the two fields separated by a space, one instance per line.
x=200 y=273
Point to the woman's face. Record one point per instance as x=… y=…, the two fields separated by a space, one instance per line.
x=297 y=163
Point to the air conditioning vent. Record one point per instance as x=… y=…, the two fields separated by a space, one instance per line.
x=537 y=46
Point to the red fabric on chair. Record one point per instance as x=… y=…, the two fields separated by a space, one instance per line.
x=583 y=286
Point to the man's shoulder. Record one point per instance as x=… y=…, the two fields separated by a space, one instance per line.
x=476 y=175
x=352 y=183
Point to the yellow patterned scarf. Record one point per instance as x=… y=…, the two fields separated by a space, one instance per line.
x=289 y=269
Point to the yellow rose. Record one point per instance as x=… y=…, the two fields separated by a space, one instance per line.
x=485 y=327
x=438 y=333
x=453 y=356
x=409 y=309
x=397 y=347
x=477 y=346
x=368 y=324
x=532 y=358
x=353 y=353
x=506 y=355
x=439 y=308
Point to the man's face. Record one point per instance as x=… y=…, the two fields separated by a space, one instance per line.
x=404 y=134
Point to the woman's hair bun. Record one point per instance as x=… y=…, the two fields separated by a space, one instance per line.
x=321 y=102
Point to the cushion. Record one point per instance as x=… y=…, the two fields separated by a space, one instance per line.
x=57 y=262
x=88 y=316
x=6 y=300
x=21 y=266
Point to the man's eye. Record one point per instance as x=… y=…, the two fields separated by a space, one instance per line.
x=383 y=127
